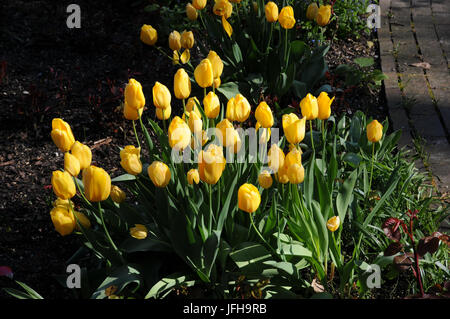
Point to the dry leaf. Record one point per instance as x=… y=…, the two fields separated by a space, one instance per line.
x=317 y=286
x=423 y=65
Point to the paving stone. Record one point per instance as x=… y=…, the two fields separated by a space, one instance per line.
x=400 y=3
x=441 y=18
x=386 y=46
x=439 y=160
x=429 y=46
x=384 y=6
x=428 y=126
x=438 y=77
x=443 y=102
x=399 y=119
x=394 y=97
x=440 y=6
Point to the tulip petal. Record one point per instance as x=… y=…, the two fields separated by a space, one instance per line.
x=227 y=26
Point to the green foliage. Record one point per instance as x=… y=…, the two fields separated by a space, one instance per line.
x=361 y=75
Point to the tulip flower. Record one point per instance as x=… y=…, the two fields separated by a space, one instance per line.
x=63 y=220
x=293 y=157
x=199 y=4
x=159 y=173
x=203 y=73
x=216 y=83
x=191 y=105
x=211 y=164
x=148 y=34
x=223 y=8
x=265 y=180
x=134 y=96
x=131 y=114
x=130 y=160
x=82 y=153
x=323 y=15
x=248 y=198
x=238 y=109
x=227 y=26
x=374 y=131
x=286 y=18
x=62 y=134
x=195 y=123
x=312 y=10
x=195 y=141
x=97 y=183
x=282 y=175
x=187 y=39
x=211 y=104
x=296 y=173
x=193 y=176
x=163 y=114
x=117 y=195
x=175 y=40
x=63 y=184
x=71 y=164
x=191 y=12
x=264 y=115
x=333 y=223
x=275 y=158
x=66 y=203
x=139 y=231
x=264 y=135
x=161 y=96
x=324 y=103
x=309 y=107
x=181 y=84
x=271 y=10
x=226 y=134
x=179 y=134
x=294 y=128
x=217 y=64
x=185 y=56
x=82 y=219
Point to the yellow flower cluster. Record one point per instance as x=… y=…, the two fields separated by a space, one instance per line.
x=320 y=14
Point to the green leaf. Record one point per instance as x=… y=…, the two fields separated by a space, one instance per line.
x=167 y=283
x=352 y=159
x=131 y=245
x=120 y=277
x=297 y=49
x=237 y=53
x=249 y=256
x=229 y=89
x=344 y=196
x=123 y=178
x=364 y=62
x=29 y=293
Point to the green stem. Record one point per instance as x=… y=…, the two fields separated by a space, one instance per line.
x=371 y=167
x=135 y=134
x=285 y=48
x=160 y=50
x=107 y=233
x=312 y=140
x=81 y=193
x=210 y=209
x=164 y=121
x=184 y=106
x=261 y=236
x=270 y=38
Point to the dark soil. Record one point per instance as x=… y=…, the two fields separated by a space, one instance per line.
x=48 y=71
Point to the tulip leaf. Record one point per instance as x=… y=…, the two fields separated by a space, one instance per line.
x=123 y=178
x=120 y=277
x=168 y=283
x=364 y=62
x=229 y=89
x=237 y=53
x=249 y=256
x=345 y=194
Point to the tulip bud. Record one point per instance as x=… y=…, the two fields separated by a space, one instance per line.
x=293 y=157
x=134 y=96
x=148 y=34
x=311 y=12
x=374 y=131
x=216 y=63
x=187 y=39
x=175 y=58
x=117 y=195
x=71 y=164
x=265 y=180
x=161 y=96
x=139 y=231
x=324 y=103
x=191 y=12
x=264 y=115
x=217 y=82
x=182 y=84
x=333 y=223
x=294 y=128
x=282 y=175
x=271 y=10
x=63 y=185
x=65 y=203
x=193 y=176
x=82 y=219
x=211 y=164
x=230 y=114
x=211 y=104
x=82 y=153
x=179 y=134
x=195 y=123
x=264 y=134
x=131 y=114
x=97 y=183
x=159 y=173
x=175 y=40
x=248 y=198
x=223 y=8
x=199 y=4
x=309 y=107
x=199 y=138
x=130 y=160
x=62 y=135
x=191 y=105
x=203 y=73
x=296 y=173
x=323 y=15
x=275 y=158
x=286 y=18
x=63 y=220
x=226 y=133
x=163 y=114
x=241 y=108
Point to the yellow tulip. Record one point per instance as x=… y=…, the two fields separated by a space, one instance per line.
x=161 y=96
x=223 y=8
x=163 y=114
x=293 y=157
x=97 y=183
x=217 y=82
x=199 y=4
x=191 y=12
x=63 y=185
x=286 y=18
x=296 y=173
x=310 y=107
x=271 y=10
x=175 y=40
x=179 y=134
x=82 y=153
x=139 y=231
x=132 y=114
x=187 y=39
x=265 y=180
x=195 y=141
x=248 y=198
x=216 y=62
x=238 y=109
x=324 y=103
x=63 y=220
x=130 y=160
x=227 y=26
x=82 y=219
x=159 y=173
x=193 y=176
x=71 y=164
x=323 y=15
x=282 y=175
x=294 y=128
x=62 y=135
x=226 y=133
x=374 y=131
x=185 y=56
x=191 y=105
x=117 y=195
x=203 y=73
x=275 y=158
x=311 y=12
x=211 y=104
x=195 y=123
x=148 y=34
x=333 y=223
x=264 y=135
x=176 y=58
x=181 y=84
x=134 y=96
x=66 y=203
x=211 y=164
x=264 y=115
